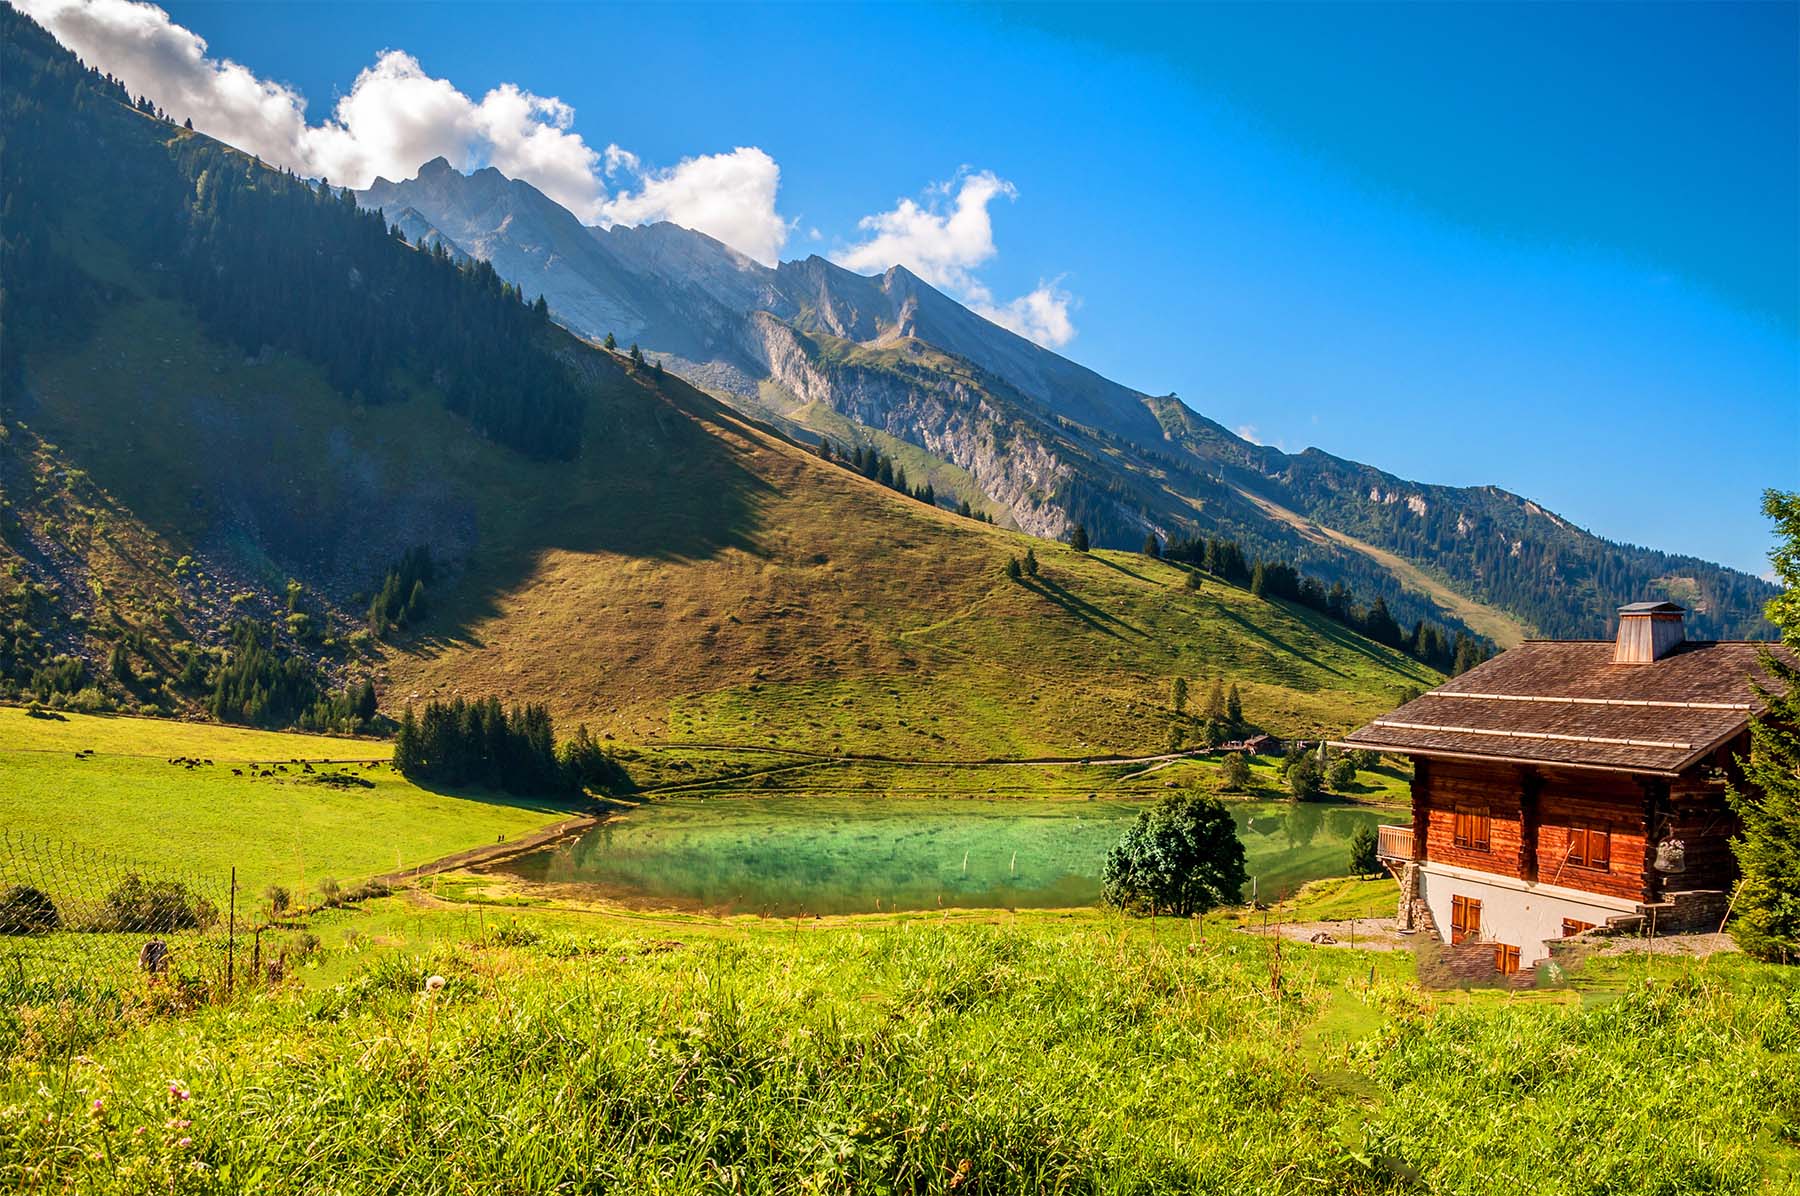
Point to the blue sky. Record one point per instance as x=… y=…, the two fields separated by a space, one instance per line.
x=1554 y=248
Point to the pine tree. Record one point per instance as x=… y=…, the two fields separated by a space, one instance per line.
x=1193 y=579
x=1078 y=539
x=1012 y=568
x=1031 y=563
x=1259 y=580
x=1767 y=919
x=1215 y=701
x=1152 y=546
x=1234 y=707
x=610 y=342
x=1178 y=695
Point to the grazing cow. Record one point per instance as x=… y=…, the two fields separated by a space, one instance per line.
x=237 y=772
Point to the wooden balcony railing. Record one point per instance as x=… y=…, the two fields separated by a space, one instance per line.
x=1394 y=842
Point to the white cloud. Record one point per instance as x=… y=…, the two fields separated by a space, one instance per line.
x=396 y=117
x=728 y=196
x=1041 y=315
x=945 y=239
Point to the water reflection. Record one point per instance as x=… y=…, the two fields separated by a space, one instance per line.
x=786 y=856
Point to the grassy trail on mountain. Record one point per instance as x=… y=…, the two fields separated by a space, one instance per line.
x=1492 y=622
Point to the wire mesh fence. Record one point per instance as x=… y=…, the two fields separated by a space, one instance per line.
x=85 y=932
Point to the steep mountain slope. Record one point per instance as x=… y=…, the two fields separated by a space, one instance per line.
x=664 y=568
x=1051 y=442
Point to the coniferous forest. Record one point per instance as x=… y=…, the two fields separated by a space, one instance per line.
x=263 y=257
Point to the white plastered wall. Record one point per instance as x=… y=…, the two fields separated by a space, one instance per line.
x=1527 y=916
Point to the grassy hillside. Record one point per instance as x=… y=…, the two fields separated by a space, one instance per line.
x=691 y=577
x=293 y=828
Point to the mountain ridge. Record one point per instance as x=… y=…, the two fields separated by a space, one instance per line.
x=1056 y=444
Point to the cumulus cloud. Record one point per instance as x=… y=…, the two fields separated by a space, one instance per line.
x=1042 y=315
x=728 y=196
x=944 y=239
x=397 y=117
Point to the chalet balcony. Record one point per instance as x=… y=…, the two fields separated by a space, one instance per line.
x=1394 y=843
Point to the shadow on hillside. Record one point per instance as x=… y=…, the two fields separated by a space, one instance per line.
x=1277 y=642
x=1341 y=635
x=1086 y=611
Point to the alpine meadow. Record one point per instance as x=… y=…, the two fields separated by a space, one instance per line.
x=512 y=679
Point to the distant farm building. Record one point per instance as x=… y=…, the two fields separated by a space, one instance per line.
x=1566 y=785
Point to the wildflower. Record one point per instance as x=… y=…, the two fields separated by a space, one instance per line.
x=99 y=1107
x=434 y=984
x=177 y=1092
x=185 y=1143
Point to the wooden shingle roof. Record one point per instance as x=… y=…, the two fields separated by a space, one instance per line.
x=1566 y=702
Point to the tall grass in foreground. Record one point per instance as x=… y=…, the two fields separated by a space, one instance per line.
x=1062 y=1055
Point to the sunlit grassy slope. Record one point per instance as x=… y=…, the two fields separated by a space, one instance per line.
x=692 y=577
x=291 y=828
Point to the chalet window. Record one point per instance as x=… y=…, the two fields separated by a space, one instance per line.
x=1465 y=919
x=1471 y=829
x=1506 y=959
x=1590 y=847
x=1571 y=927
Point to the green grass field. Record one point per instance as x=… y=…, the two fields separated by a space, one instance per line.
x=1036 y=1053
x=126 y=800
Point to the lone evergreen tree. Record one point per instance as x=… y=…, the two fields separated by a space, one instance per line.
x=1078 y=539
x=1363 y=859
x=1767 y=921
x=1178 y=695
x=1031 y=563
x=610 y=342
x=1215 y=701
x=1012 y=568
x=1234 y=706
x=1193 y=579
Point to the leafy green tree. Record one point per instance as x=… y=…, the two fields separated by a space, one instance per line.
x=1303 y=781
x=1182 y=857
x=1363 y=860
x=1234 y=772
x=1078 y=539
x=1342 y=774
x=1766 y=919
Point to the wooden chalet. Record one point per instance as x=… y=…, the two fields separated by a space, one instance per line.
x=1565 y=785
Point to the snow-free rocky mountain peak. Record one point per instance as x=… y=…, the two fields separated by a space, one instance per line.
x=1045 y=442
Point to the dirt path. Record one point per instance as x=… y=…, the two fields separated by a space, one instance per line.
x=491 y=852
x=914 y=762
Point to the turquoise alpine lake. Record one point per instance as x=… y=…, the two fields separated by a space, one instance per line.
x=794 y=856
